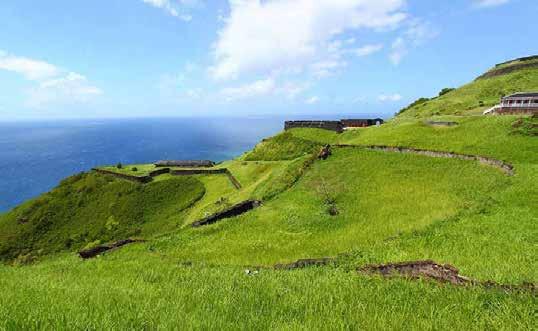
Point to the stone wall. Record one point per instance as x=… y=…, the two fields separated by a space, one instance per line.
x=137 y=179
x=507 y=70
x=235 y=210
x=223 y=171
x=515 y=111
x=501 y=165
x=336 y=126
x=159 y=172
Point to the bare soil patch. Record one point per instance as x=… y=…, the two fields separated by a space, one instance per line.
x=442 y=273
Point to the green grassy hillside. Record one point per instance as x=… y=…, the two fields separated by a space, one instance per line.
x=475 y=97
x=89 y=209
x=359 y=206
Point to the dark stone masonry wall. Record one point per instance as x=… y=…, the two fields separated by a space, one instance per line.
x=515 y=111
x=507 y=70
x=336 y=126
x=235 y=210
x=501 y=165
x=223 y=171
x=137 y=179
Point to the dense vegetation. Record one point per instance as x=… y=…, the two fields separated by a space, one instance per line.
x=359 y=206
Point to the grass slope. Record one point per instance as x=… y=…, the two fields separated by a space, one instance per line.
x=123 y=291
x=283 y=146
x=90 y=208
x=476 y=96
x=405 y=194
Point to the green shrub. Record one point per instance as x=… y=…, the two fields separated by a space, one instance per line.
x=446 y=90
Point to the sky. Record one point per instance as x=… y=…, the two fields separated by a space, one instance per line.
x=187 y=58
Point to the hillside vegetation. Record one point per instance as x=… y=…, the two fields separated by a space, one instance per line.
x=475 y=97
x=89 y=209
x=359 y=206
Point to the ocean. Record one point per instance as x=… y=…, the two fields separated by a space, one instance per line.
x=35 y=156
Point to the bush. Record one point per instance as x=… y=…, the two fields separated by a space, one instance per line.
x=446 y=90
x=134 y=169
x=119 y=165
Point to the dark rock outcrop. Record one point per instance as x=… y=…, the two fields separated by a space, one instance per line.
x=303 y=263
x=94 y=251
x=235 y=210
x=325 y=152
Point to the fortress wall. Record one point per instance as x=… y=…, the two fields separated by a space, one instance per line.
x=507 y=70
x=137 y=179
x=224 y=171
x=189 y=172
x=501 y=165
x=336 y=126
x=515 y=111
x=159 y=172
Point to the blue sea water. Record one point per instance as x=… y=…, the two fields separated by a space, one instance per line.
x=35 y=156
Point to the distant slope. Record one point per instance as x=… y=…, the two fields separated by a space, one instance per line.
x=472 y=98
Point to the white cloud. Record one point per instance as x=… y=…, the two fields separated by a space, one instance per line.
x=368 y=49
x=312 y=100
x=417 y=32
x=54 y=85
x=292 y=89
x=176 y=8
x=30 y=69
x=264 y=87
x=399 y=50
x=489 y=3
x=71 y=88
x=390 y=97
x=327 y=67
x=267 y=36
x=257 y=88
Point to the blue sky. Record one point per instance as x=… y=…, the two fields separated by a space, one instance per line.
x=139 y=58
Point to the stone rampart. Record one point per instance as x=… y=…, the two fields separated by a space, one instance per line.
x=233 y=211
x=336 y=126
x=507 y=70
x=159 y=172
x=132 y=178
x=222 y=171
x=501 y=165
x=515 y=111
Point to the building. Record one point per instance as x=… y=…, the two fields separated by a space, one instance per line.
x=516 y=104
x=361 y=123
x=186 y=163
